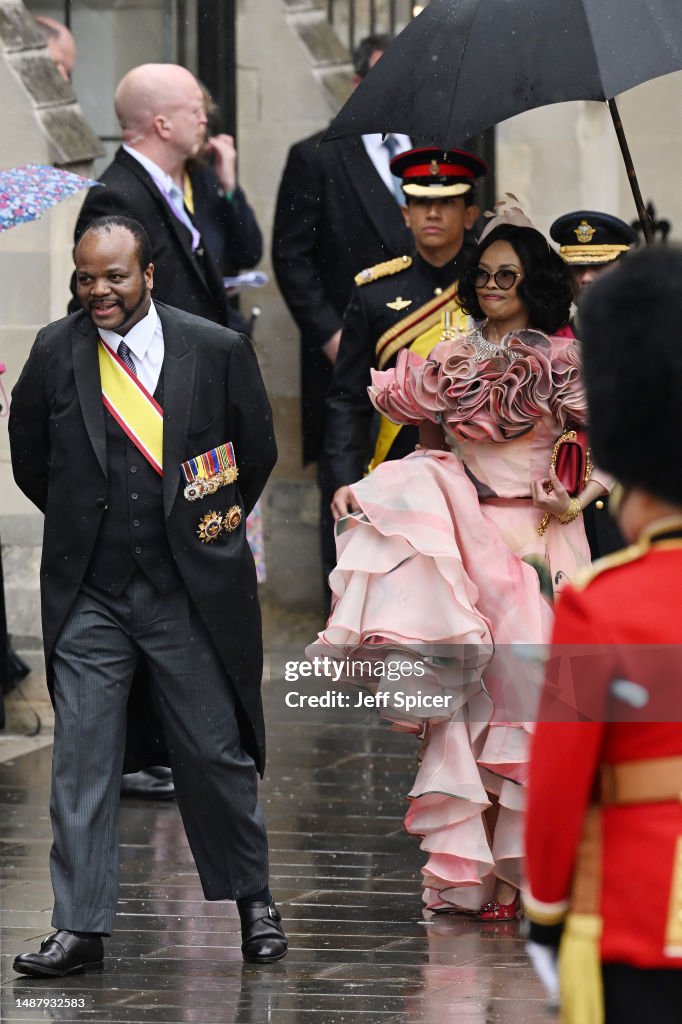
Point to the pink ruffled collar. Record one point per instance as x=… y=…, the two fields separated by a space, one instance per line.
x=481 y=396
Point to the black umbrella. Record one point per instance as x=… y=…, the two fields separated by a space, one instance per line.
x=464 y=65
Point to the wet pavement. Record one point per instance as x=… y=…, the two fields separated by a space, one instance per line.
x=344 y=874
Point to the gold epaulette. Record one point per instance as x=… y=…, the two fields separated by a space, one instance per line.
x=612 y=561
x=384 y=269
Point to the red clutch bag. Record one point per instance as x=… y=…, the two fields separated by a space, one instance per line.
x=571 y=460
x=572 y=463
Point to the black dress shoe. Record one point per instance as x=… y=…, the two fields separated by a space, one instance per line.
x=60 y=954
x=154 y=783
x=263 y=938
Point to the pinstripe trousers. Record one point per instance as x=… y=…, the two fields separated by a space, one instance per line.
x=94 y=661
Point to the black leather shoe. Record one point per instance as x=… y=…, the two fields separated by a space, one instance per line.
x=60 y=954
x=154 y=783
x=263 y=938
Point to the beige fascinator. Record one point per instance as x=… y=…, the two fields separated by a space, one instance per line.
x=504 y=213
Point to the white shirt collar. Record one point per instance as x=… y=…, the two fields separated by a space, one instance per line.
x=375 y=141
x=139 y=338
x=152 y=169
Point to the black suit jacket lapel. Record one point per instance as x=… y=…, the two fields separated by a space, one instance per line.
x=84 y=341
x=182 y=233
x=378 y=203
x=208 y=274
x=179 y=369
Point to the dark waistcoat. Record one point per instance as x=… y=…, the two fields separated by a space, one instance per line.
x=133 y=531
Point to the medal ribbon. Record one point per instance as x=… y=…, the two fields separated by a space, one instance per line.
x=210 y=464
x=131 y=405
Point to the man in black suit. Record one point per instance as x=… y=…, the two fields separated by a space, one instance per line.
x=338 y=210
x=145 y=436
x=162 y=114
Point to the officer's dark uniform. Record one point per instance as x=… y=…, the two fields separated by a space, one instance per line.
x=588 y=238
x=394 y=305
x=375 y=308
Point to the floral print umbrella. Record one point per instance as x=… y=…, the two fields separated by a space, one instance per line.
x=26 y=192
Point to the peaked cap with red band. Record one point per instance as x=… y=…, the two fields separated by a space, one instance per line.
x=430 y=171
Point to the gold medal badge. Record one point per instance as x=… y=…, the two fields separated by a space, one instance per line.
x=233 y=518
x=210 y=527
x=584 y=232
x=194 y=491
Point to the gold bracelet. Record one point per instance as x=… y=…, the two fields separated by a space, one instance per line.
x=572 y=512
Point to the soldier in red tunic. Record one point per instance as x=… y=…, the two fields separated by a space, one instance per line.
x=604 y=824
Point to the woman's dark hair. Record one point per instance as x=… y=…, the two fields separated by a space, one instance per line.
x=545 y=289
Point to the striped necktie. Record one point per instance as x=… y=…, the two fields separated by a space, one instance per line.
x=127 y=357
x=392 y=146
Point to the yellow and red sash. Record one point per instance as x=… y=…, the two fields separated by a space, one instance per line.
x=420 y=332
x=131 y=405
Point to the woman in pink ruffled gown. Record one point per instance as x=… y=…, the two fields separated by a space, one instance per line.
x=443 y=572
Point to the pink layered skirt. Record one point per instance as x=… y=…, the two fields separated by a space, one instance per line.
x=456 y=596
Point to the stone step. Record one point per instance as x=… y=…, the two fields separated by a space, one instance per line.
x=319 y=38
x=303 y=6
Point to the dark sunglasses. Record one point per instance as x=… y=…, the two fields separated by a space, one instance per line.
x=504 y=279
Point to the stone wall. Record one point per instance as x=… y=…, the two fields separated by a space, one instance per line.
x=566 y=157
x=40 y=122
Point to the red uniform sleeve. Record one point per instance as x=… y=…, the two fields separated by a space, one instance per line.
x=564 y=761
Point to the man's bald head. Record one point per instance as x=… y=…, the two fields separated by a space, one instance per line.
x=150 y=91
x=160 y=108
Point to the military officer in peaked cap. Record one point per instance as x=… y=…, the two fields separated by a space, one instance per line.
x=590 y=243
x=401 y=303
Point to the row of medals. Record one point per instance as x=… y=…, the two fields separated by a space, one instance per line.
x=202 y=486
x=214 y=523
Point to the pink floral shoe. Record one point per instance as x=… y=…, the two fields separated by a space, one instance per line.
x=494 y=911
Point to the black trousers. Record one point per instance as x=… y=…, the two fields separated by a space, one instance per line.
x=636 y=996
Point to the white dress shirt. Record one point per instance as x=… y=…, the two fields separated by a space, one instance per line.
x=145 y=341
x=378 y=154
